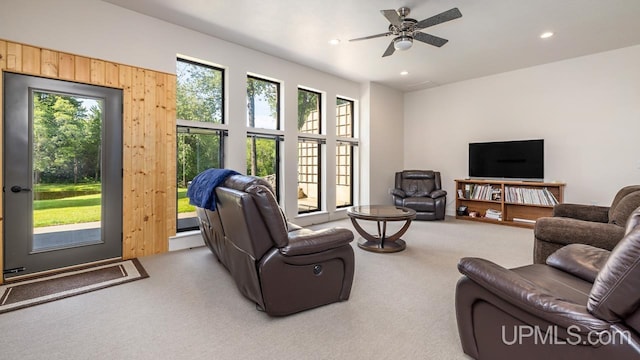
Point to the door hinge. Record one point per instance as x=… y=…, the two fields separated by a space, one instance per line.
x=14 y=270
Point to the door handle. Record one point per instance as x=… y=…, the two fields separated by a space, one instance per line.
x=17 y=189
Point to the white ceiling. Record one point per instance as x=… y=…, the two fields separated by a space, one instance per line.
x=493 y=36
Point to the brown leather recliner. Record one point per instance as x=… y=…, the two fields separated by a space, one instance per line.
x=283 y=268
x=420 y=190
x=598 y=226
x=583 y=304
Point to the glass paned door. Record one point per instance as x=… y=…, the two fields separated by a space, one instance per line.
x=62 y=174
x=67 y=170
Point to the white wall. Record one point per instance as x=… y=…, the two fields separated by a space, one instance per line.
x=586 y=109
x=386 y=138
x=382 y=116
x=101 y=30
x=365 y=143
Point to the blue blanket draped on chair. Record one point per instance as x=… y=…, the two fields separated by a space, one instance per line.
x=201 y=191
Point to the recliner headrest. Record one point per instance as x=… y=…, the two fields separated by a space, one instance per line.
x=614 y=295
x=418 y=174
x=243 y=182
x=271 y=214
x=621 y=194
x=620 y=214
x=633 y=221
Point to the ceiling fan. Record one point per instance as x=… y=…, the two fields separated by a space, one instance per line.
x=406 y=29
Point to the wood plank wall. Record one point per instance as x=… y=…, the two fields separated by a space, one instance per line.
x=149 y=137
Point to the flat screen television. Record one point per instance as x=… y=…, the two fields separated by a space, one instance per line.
x=516 y=160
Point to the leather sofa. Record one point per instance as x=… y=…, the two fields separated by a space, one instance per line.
x=281 y=267
x=420 y=190
x=584 y=303
x=600 y=226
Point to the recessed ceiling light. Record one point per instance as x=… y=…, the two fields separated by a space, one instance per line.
x=334 y=41
x=546 y=35
x=403 y=73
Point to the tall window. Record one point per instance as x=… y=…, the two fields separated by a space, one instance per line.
x=264 y=133
x=200 y=118
x=263 y=104
x=345 y=149
x=309 y=150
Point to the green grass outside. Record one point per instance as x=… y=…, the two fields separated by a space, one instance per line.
x=71 y=210
x=68 y=187
x=80 y=209
x=183 y=202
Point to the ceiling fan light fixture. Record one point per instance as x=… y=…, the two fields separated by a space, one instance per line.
x=405 y=29
x=403 y=42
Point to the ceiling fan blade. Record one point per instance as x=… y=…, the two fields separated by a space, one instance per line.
x=372 y=36
x=429 y=39
x=390 y=49
x=392 y=16
x=439 y=19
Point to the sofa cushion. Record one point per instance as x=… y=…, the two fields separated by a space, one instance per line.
x=417 y=188
x=624 y=208
x=583 y=261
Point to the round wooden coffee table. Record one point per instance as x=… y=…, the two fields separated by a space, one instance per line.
x=381 y=214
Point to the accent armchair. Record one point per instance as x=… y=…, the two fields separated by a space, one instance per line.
x=281 y=267
x=599 y=226
x=583 y=304
x=420 y=190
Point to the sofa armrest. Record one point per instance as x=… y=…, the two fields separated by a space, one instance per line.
x=565 y=231
x=292 y=227
x=399 y=193
x=437 y=193
x=580 y=260
x=305 y=241
x=582 y=212
x=529 y=297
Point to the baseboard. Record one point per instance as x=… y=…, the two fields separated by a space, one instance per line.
x=186 y=240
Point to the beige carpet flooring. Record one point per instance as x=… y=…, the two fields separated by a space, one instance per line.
x=401 y=307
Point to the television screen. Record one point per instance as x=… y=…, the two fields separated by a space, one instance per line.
x=523 y=159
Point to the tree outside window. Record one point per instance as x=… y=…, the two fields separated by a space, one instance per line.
x=67 y=153
x=200 y=111
x=263 y=118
